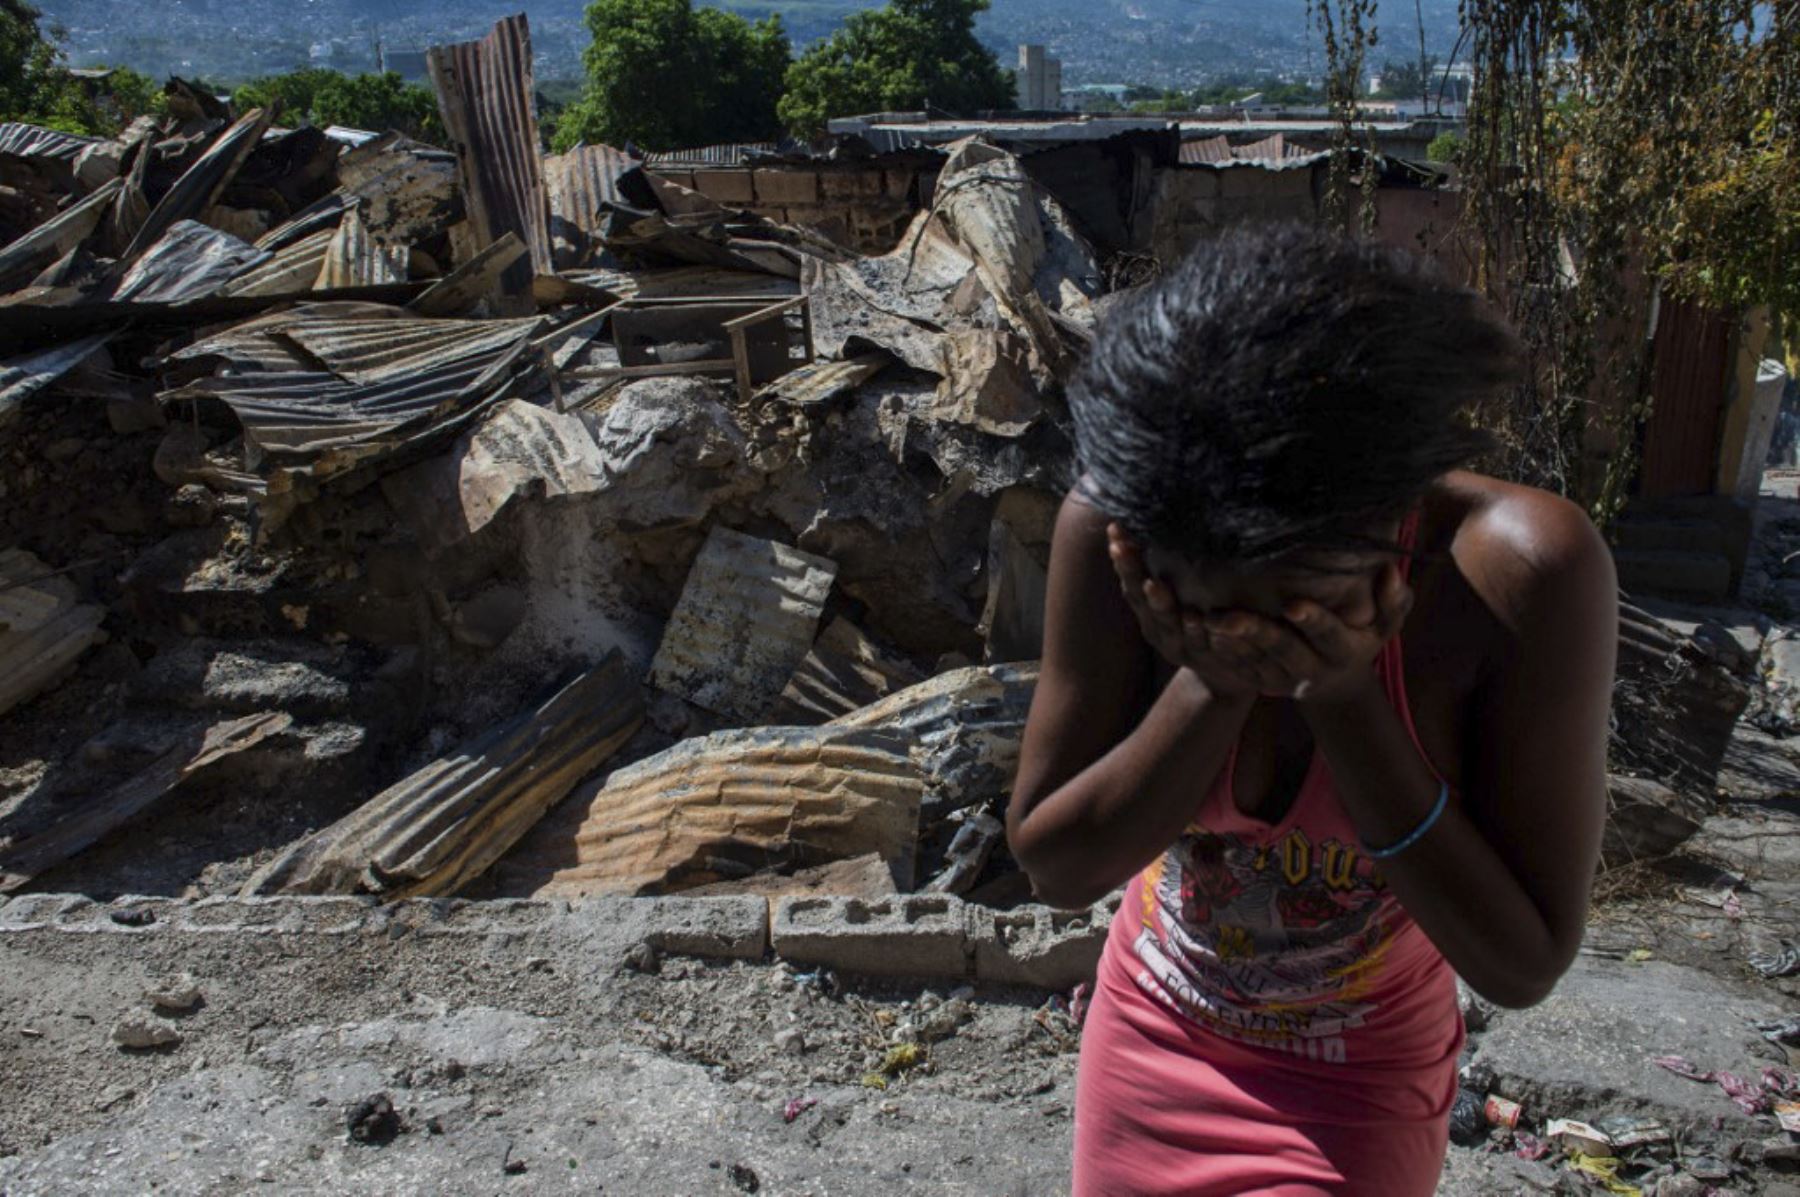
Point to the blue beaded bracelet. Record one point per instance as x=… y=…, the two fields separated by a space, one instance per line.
x=1416 y=834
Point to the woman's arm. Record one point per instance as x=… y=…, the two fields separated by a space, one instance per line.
x=1099 y=791
x=1501 y=881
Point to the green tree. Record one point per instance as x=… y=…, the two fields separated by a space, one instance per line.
x=323 y=97
x=31 y=70
x=664 y=75
x=913 y=54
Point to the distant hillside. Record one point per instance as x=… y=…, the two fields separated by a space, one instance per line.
x=1157 y=42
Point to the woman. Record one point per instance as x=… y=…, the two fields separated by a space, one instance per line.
x=1334 y=707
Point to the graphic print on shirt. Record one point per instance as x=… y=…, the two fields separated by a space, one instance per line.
x=1275 y=943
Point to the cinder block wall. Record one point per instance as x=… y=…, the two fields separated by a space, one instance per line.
x=863 y=207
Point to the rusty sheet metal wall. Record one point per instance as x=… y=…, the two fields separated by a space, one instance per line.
x=1681 y=442
x=485 y=92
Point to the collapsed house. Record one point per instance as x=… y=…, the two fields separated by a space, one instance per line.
x=401 y=520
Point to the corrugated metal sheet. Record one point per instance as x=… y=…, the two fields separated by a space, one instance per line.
x=317 y=425
x=30 y=141
x=407 y=191
x=964 y=729
x=844 y=672
x=369 y=352
x=260 y=344
x=291 y=270
x=580 y=183
x=1218 y=150
x=822 y=381
x=355 y=259
x=201 y=185
x=1692 y=368
x=190 y=261
x=485 y=92
x=25 y=376
x=745 y=621
x=439 y=829
x=24 y=257
x=731 y=154
x=737 y=802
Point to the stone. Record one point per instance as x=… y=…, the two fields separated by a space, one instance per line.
x=191 y=506
x=140 y=1034
x=179 y=994
x=918 y=935
x=1588 y=1047
x=713 y=927
x=790 y=1041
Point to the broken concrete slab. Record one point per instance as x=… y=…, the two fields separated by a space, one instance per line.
x=1586 y=1050
x=745 y=621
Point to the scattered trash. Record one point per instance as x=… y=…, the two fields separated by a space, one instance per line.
x=1078 y=1003
x=744 y=1177
x=1623 y=1131
x=797 y=1106
x=1529 y=1146
x=1750 y=1097
x=1787 y=1113
x=899 y=1058
x=137 y=916
x=1501 y=1112
x=1639 y=955
x=1604 y=1169
x=1579 y=1137
x=1784 y=961
x=1779 y=1030
x=373 y=1121
x=31 y=1032
x=140 y=1034
x=1468 y=1119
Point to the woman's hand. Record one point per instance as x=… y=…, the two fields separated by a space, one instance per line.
x=1313 y=655
x=1180 y=637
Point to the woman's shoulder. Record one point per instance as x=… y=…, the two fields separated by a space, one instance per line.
x=1530 y=554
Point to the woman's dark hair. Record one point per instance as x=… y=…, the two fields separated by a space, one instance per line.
x=1282 y=388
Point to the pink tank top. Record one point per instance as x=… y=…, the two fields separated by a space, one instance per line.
x=1284 y=936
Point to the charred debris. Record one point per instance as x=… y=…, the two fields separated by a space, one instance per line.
x=390 y=519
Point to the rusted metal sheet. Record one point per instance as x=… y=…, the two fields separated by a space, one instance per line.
x=580 y=183
x=476 y=279
x=738 y=802
x=44 y=627
x=963 y=729
x=191 y=753
x=290 y=270
x=820 y=382
x=355 y=259
x=365 y=351
x=1206 y=149
x=439 y=829
x=844 y=672
x=261 y=344
x=1692 y=367
x=485 y=93
x=407 y=191
x=200 y=187
x=743 y=624
x=317 y=426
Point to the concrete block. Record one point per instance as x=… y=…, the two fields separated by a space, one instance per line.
x=1037 y=945
x=850 y=184
x=681 y=178
x=781 y=186
x=725 y=186
x=912 y=935
x=731 y=927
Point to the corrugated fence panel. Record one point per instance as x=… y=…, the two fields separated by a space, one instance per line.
x=1681 y=444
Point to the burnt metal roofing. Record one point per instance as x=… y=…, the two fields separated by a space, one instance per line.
x=731 y=154
x=30 y=141
x=485 y=92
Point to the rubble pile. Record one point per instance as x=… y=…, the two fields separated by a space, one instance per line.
x=412 y=490
x=365 y=499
